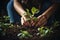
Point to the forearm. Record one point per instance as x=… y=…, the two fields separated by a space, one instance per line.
x=49 y=11
x=18 y=8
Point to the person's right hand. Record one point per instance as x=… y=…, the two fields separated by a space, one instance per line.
x=41 y=21
x=25 y=22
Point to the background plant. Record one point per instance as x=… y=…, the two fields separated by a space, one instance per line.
x=4 y=24
x=44 y=31
x=24 y=34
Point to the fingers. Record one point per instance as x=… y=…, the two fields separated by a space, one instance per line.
x=22 y=21
x=39 y=17
x=26 y=23
x=32 y=23
x=41 y=21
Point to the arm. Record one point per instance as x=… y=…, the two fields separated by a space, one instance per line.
x=19 y=8
x=20 y=11
x=42 y=19
x=50 y=11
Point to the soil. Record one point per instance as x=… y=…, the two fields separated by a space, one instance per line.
x=11 y=34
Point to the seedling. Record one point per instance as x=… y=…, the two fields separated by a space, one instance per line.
x=24 y=34
x=30 y=16
x=43 y=31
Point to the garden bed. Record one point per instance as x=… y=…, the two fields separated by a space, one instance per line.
x=12 y=32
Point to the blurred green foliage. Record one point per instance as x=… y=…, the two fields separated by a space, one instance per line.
x=44 y=31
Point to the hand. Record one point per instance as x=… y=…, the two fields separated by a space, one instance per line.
x=25 y=22
x=42 y=20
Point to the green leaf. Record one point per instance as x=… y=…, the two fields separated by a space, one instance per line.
x=35 y=18
x=24 y=34
x=28 y=19
x=43 y=31
x=6 y=17
x=56 y=23
x=27 y=10
x=28 y=13
x=19 y=34
x=34 y=10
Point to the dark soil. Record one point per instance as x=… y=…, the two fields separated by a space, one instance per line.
x=11 y=34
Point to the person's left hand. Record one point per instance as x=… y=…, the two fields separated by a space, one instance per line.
x=42 y=20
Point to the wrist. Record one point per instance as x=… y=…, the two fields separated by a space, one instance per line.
x=45 y=16
x=24 y=17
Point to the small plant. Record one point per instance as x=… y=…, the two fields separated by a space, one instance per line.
x=44 y=31
x=56 y=23
x=6 y=18
x=24 y=34
x=30 y=16
x=4 y=25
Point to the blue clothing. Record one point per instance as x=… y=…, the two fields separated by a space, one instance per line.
x=14 y=17
x=0 y=6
